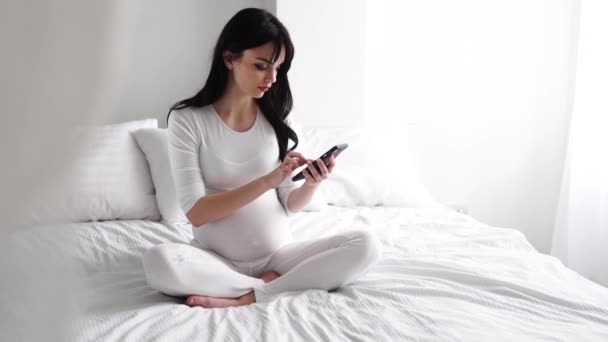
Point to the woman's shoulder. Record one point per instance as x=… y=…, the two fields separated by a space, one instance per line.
x=189 y=115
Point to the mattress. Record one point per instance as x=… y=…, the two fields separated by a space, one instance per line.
x=443 y=277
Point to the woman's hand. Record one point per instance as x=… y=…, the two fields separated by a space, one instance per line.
x=292 y=161
x=312 y=176
x=301 y=196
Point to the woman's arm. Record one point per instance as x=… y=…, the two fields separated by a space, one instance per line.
x=216 y=206
x=300 y=197
x=213 y=207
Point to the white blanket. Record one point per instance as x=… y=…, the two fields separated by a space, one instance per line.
x=443 y=277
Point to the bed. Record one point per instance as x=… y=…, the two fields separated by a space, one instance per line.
x=443 y=275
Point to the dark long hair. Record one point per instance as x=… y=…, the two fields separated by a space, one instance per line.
x=247 y=29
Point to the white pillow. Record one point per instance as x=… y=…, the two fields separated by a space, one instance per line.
x=109 y=179
x=155 y=144
x=374 y=170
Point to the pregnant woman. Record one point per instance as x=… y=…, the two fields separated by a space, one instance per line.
x=231 y=163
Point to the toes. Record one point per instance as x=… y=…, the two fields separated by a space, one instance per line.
x=269 y=276
x=197 y=301
x=212 y=302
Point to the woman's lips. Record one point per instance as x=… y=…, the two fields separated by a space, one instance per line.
x=264 y=89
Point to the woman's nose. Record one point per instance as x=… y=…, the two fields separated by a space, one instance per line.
x=271 y=76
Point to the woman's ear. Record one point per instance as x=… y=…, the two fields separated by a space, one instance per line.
x=228 y=57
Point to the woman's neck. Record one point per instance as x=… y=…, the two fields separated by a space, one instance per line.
x=235 y=106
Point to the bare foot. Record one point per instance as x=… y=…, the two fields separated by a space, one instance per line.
x=269 y=276
x=217 y=302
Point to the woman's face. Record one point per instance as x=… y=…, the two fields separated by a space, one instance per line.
x=254 y=73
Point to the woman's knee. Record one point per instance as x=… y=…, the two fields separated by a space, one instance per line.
x=157 y=265
x=157 y=257
x=370 y=248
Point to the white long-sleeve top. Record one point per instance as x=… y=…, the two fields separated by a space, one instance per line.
x=209 y=157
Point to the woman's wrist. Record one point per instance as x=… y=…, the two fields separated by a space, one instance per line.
x=311 y=185
x=266 y=182
x=300 y=197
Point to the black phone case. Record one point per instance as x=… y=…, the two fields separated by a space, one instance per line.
x=335 y=151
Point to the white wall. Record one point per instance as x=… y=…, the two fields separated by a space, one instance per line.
x=484 y=89
x=327 y=75
x=171 y=54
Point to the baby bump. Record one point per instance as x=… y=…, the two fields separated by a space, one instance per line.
x=252 y=232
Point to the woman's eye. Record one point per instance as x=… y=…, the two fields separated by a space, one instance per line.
x=260 y=67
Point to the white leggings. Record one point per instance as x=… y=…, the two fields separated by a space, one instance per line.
x=178 y=269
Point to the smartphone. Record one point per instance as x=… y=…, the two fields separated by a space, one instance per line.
x=335 y=151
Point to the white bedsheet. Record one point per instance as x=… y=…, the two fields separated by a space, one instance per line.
x=443 y=277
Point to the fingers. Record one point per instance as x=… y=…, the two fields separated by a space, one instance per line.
x=291 y=163
x=308 y=177
x=311 y=171
x=294 y=159
x=332 y=163
x=297 y=156
x=294 y=154
x=323 y=168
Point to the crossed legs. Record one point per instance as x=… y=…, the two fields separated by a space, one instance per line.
x=210 y=280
